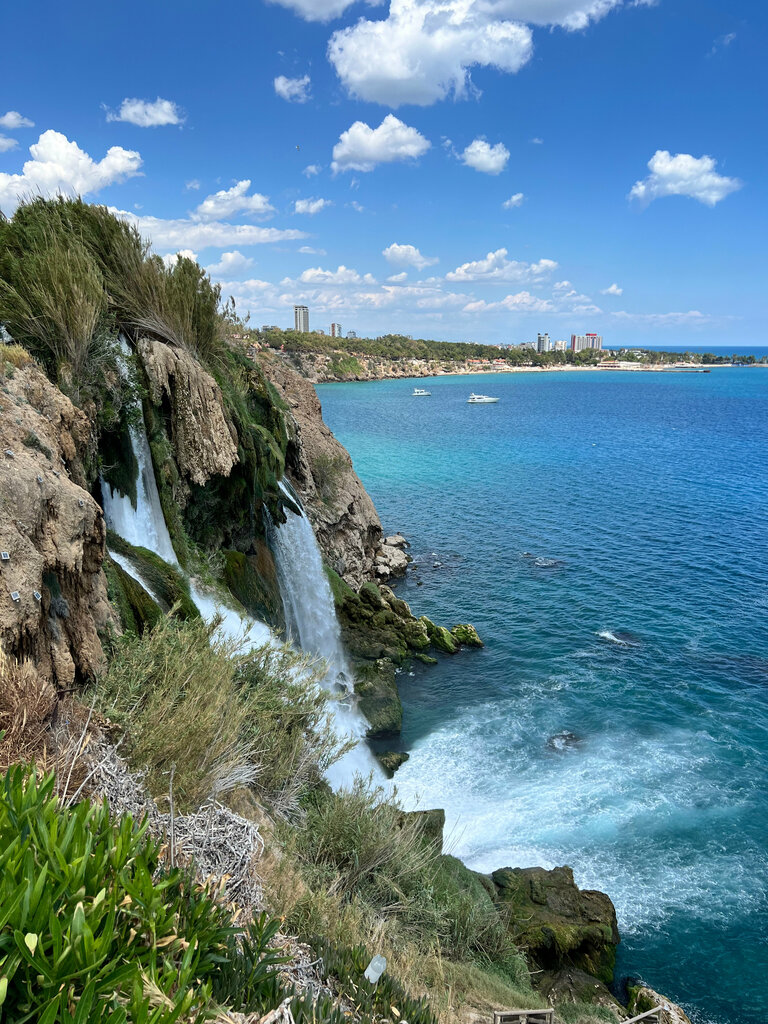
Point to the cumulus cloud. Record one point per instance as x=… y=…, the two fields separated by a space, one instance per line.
x=311 y=206
x=311 y=170
x=294 y=90
x=230 y=201
x=484 y=157
x=361 y=148
x=146 y=113
x=612 y=289
x=424 y=50
x=407 y=256
x=12 y=120
x=316 y=10
x=398 y=278
x=230 y=265
x=308 y=250
x=520 y=302
x=683 y=175
x=6 y=143
x=172 y=258
x=195 y=234
x=496 y=267
x=513 y=201
x=60 y=166
x=693 y=318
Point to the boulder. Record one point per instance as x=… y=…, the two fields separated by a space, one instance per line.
x=440 y=637
x=378 y=699
x=557 y=923
x=466 y=635
x=391 y=760
x=571 y=985
x=642 y=998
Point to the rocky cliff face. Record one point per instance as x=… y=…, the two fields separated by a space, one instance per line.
x=53 y=597
x=344 y=518
x=205 y=444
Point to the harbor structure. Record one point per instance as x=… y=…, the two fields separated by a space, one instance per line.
x=301 y=319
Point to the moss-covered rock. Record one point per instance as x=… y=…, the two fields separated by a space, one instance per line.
x=166 y=583
x=253 y=581
x=370 y=595
x=432 y=823
x=425 y=659
x=642 y=998
x=559 y=924
x=440 y=637
x=378 y=699
x=466 y=635
x=136 y=609
x=391 y=760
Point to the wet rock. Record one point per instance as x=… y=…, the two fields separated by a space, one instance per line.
x=563 y=741
x=440 y=637
x=642 y=998
x=559 y=924
x=378 y=699
x=466 y=635
x=391 y=760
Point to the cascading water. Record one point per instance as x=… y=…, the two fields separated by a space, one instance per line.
x=311 y=620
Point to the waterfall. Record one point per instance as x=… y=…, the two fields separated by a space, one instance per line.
x=310 y=615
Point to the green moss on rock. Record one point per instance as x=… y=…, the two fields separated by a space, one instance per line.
x=425 y=659
x=378 y=699
x=134 y=606
x=440 y=637
x=165 y=581
x=466 y=635
x=391 y=760
x=253 y=581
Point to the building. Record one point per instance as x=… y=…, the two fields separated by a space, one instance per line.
x=336 y=331
x=561 y=346
x=301 y=319
x=581 y=341
x=528 y=345
x=351 y=334
x=543 y=344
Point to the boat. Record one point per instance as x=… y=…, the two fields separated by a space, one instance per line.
x=480 y=399
x=420 y=393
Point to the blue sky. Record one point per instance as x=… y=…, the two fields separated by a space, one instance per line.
x=626 y=138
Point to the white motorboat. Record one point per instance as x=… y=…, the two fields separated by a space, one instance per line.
x=480 y=399
x=420 y=393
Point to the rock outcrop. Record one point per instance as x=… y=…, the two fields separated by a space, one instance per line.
x=53 y=596
x=642 y=998
x=343 y=516
x=559 y=925
x=204 y=442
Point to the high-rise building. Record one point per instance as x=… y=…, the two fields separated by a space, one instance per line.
x=351 y=334
x=336 y=331
x=543 y=344
x=561 y=346
x=582 y=341
x=301 y=319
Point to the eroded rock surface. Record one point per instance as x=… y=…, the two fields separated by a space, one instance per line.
x=642 y=998
x=204 y=442
x=52 y=530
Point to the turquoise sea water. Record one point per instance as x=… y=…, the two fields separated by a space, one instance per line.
x=582 y=509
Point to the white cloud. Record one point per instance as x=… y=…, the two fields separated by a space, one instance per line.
x=194 y=234
x=496 y=267
x=361 y=148
x=521 y=302
x=172 y=258
x=484 y=157
x=537 y=141
x=693 y=318
x=308 y=250
x=311 y=170
x=12 y=119
x=294 y=90
x=230 y=201
x=311 y=206
x=357 y=207
x=316 y=10
x=562 y=286
x=60 y=166
x=230 y=264
x=6 y=143
x=513 y=201
x=342 y=275
x=612 y=289
x=193 y=185
x=147 y=114
x=719 y=44
x=683 y=175
x=407 y=256
x=398 y=278
x=423 y=51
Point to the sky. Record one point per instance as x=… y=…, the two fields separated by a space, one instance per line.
x=470 y=170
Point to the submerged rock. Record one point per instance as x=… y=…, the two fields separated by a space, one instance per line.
x=563 y=741
x=559 y=924
x=391 y=760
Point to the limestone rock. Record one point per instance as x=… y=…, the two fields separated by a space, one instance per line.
x=204 y=443
x=391 y=559
x=643 y=998
x=570 y=985
x=466 y=635
x=53 y=531
x=559 y=924
x=391 y=760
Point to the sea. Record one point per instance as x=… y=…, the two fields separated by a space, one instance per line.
x=607 y=534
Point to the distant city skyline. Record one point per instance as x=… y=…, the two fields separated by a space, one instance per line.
x=462 y=191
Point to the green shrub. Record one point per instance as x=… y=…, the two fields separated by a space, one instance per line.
x=92 y=929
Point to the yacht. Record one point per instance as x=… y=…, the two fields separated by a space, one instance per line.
x=420 y=393
x=480 y=399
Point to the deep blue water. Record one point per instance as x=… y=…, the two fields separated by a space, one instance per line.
x=650 y=493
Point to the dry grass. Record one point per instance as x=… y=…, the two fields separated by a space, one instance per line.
x=16 y=355
x=27 y=703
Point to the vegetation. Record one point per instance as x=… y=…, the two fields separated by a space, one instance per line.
x=166 y=583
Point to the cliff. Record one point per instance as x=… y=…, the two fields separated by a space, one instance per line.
x=324 y=368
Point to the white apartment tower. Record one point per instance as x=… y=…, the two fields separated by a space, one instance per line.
x=581 y=341
x=301 y=319
x=336 y=331
x=543 y=344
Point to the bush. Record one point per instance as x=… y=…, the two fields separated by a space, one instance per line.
x=92 y=928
